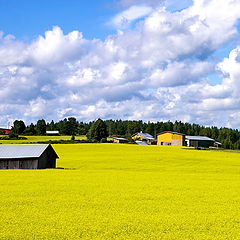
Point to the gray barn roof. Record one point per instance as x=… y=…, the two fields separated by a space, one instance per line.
x=144 y=135
x=171 y=132
x=199 y=138
x=52 y=132
x=22 y=151
x=141 y=143
x=118 y=138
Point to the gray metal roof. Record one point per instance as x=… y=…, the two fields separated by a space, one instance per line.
x=141 y=143
x=117 y=138
x=52 y=132
x=144 y=135
x=22 y=151
x=171 y=132
x=199 y=138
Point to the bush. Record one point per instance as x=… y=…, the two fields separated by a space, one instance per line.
x=103 y=140
x=13 y=135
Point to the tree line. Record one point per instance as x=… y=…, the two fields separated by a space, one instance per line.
x=230 y=138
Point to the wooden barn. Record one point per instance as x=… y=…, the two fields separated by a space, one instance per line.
x=4 y=131
x=171 y=138
x=39 y=156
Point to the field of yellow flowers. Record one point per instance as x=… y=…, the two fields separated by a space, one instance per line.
x=114 y=191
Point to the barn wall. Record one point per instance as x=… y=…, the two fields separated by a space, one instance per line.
x=3 y=164
x=42 y=161
x=170 y=139
x=47 y=159
x=193 y=143
x=19 y=164
x=205 y=144
x=177 y=142
x=164 y=138
x=13 y=164
x=28 y=164
x=201 y=143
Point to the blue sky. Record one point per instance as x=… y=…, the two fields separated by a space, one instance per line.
x=131 y=59
x=27 y=19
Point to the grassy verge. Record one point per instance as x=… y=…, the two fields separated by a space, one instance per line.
x=39 y=139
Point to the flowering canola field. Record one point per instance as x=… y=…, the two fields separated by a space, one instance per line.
x=114 y=191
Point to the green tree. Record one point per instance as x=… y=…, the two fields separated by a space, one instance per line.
x=71 y=126
x=30 y=130
x=134 y=127
x=13 y=135
x=151 y=129
x=83 y=128
x=98 y=131
x=2 y=132
x=18 y=127
x=51 y=126
x=41 y=127
x=120 y=127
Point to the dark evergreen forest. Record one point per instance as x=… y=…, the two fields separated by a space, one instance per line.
x=230 y=138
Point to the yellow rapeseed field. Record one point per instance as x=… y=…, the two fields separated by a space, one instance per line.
x=114 y=191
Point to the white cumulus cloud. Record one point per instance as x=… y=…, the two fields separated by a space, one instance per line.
x=157 y=70
x=125 y=18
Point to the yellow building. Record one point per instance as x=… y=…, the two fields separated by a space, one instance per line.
x=171 y=138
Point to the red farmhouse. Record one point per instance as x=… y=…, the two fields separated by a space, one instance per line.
x=4 y=131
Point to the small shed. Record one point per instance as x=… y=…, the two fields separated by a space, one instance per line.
x=38 y=156
x=200 y=141
x=52 y=133
x=119 y=140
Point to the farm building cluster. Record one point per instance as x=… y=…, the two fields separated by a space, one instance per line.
x=41 y=156
x=171 y=139
x=179 y=139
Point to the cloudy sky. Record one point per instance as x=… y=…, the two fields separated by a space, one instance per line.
x=121 y=59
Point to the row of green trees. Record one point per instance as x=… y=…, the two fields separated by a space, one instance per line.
x=68 y=126
x=230 y=138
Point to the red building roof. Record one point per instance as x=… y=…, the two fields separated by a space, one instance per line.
x=4 y=131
